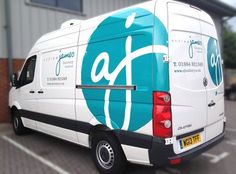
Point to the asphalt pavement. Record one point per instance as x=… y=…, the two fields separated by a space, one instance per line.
x=36 y=153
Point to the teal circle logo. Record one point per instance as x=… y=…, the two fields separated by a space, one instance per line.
x=214 y=61
x=118 y=51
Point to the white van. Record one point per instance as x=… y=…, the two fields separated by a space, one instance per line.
x=143 y=84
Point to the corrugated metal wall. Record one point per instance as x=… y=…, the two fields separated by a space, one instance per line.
x=95 y=7
x=30 y=22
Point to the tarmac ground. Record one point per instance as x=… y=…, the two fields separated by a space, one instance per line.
x=36 y=153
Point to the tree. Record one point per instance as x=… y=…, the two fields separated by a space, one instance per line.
x=229 y=41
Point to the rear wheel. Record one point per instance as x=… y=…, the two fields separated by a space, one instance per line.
x=17 y=124
x=107 y=154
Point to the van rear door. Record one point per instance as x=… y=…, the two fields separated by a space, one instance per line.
x=214 y=77
x=187 y=72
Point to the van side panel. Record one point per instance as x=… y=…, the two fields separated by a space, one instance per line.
x=57 y=72
x=118 y=54
x=27 y=101
x=115 y=74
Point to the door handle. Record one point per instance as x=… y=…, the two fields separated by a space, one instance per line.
x=211 y=104
x=31 y=92
x=205 y=81
x=40 y=92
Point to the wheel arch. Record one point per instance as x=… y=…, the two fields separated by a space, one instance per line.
x=102 y=128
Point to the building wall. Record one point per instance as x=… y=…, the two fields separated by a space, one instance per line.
x=28 y=23
x=4 y=86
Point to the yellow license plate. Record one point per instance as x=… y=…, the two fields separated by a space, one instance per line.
x=189 y=141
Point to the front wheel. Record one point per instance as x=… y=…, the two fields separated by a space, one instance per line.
x=107 y=154
x=17 y=124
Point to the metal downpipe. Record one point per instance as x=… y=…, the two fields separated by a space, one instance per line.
x=8 y=37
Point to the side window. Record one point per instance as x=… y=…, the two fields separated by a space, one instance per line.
x=27 y=74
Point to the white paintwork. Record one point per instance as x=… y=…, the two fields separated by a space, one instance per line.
x=190 y=98
x=214 y=129
x=83 y=139
x=22 y=99
x=58 y=97
x=187 y=90
x=142 y=157
x=147 y=129
x=58 y=132
x=66 y=48
x=29 y=123
x=215 y=114
x=70 y=23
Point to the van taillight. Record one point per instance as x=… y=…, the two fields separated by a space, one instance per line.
x=162 y=119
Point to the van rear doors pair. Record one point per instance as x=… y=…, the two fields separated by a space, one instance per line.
x=196 y=83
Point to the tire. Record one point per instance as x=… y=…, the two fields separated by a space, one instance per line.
x=232 y=96
x=17 y=124
x=107 y=154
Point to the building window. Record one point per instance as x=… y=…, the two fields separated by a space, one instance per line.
x=73 y=5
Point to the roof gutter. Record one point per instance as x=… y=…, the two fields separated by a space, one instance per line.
x=8 y=36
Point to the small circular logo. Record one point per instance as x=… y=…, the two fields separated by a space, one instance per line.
x=118 y=51
x=214 y=61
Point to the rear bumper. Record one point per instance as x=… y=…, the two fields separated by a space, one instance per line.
x=161 y=154
x=158 y=153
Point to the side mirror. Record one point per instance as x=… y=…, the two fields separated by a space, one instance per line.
x=14 y=81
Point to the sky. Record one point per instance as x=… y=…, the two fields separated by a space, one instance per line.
x=232 y=22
